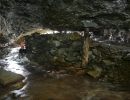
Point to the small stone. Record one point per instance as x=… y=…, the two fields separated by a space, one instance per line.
x=108 y=62
x=127 y=57
x=17 y=86
x=52 y=51
x=96 y=52
x=95 y=73
x=80 y=72
x=57 y=43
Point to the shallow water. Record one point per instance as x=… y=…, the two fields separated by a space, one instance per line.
x=53 y=85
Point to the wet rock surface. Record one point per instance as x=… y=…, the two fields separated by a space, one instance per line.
x=106 y=61
x=7 y=77
x=114 y=62
x=55 y=50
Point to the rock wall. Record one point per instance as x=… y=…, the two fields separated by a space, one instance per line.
x=3 y=44
x=64 y=51
x=23 y=15
x=111 y=63
x=57 y=50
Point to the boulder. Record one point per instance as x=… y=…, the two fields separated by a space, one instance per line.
x=7 y=77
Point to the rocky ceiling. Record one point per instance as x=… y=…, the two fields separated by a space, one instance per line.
x=22 y=15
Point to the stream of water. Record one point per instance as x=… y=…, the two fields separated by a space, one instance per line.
x=52 y=85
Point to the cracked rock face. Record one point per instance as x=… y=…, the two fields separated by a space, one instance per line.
x=22 y=15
